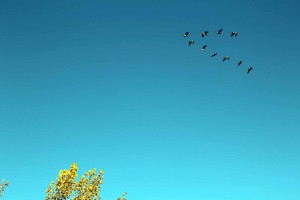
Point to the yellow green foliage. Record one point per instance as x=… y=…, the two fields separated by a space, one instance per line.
x=3 y=185
x=122 y=197
x=66 y=188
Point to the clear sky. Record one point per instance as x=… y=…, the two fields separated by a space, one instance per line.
x=113 y=85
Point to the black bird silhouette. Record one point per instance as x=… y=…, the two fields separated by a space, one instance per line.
x=204 y=33
x=249 y=70
x=219 y=32
x=186 y=34
x=191 y=42
x=203 y=48
x=240 y=62
x=225 y=58
x=233 y=34
x=214 y=54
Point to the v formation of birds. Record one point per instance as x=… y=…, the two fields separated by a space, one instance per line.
x=219 y=32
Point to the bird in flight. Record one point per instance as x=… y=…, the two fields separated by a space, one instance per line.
x=225 y=58
x=203 y=48
x=204 y=33
x=215 y=54
x=186 y=34
x=191 y=42
x=249 y=70
x=219 y=31
x=233 y=34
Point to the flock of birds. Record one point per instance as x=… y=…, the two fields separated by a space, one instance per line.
x=204 y=34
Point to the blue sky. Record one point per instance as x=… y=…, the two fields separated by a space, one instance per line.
x=114 y=85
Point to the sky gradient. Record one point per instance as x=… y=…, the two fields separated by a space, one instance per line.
x=114 y=86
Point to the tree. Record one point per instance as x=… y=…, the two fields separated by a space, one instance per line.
x=66 y=188
x=122 y=197
x=3 y=185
